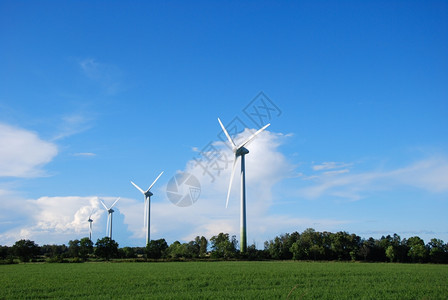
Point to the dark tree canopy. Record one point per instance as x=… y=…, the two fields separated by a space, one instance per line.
x=106 y=248
x=85 y=248
x=308 y=245
x=25 y=250
x=156 y=249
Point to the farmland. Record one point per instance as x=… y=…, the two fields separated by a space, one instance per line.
x=225 y=279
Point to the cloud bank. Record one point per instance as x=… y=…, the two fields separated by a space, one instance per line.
x=429 y=174
x=23 y=153
x=62 y=218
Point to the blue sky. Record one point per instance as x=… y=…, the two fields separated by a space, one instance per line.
x=97 y=93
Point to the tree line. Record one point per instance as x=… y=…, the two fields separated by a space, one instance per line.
x=308 y=245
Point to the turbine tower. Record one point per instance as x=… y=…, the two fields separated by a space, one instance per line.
x=90 y=225
x=110 y=212
x=240 y=151
x=146 y=218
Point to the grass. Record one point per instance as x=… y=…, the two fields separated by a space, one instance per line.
x=225 y=280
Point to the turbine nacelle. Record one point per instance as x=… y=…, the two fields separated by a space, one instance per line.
x=148 y=194
x=90 y=216
x=241 y=151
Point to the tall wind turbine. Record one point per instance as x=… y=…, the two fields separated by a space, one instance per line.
x=90 y=224
x=147 y=195
x=240 y=151
x=110 y=212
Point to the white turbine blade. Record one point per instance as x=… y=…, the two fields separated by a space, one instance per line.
x=138 y=188
x=104 y=204
x=93 y=210
x=253 y=136
x=154 y=181
x=231 y=180
x=227 y=134
x=115 y=202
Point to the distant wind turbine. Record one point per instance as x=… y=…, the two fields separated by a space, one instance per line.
x=90 y=224
x=240 y=151
x=110 y=212
x=146 y=218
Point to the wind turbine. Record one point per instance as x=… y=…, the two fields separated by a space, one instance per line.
x=109 y=216
x=90 y=224
x=146 y=218
x=240 y=151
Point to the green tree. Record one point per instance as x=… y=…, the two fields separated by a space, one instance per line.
x=195 y=246
x=274 y=248
x=192 y=248
x=296 y=250
x=340 y=245
x=177 y=250
x=106 y=248
x=25 y=250
x=203 y=243
x=364 y=250
x=4 y=252
x=85 y=248
x=156 y=249
x=438 y=251
x=316 y=251
x=391 y=253
x=417 y=250
x=279 y=248
x=55 y=253
x=253 y=253
x=308 y=245
x=73 y=248
x=223 y=246
x=128 y=252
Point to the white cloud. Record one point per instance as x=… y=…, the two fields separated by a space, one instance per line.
x=336 y=172
x=428 y=174
x=108 y=76
x=54 y=219
x=23 y=153
x=85 y=154
x=64 y=214
x=330 y=166
x=72 y=124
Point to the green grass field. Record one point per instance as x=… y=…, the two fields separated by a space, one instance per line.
x=229 y=280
